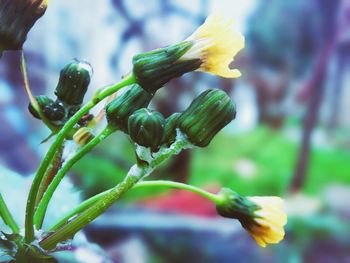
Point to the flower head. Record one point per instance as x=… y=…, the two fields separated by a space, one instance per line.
x=262 y=217
x=211 y=48
x=216 y=43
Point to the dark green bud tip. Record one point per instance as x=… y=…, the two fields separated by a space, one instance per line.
x=119 y=110
x=170 y=128
x=235 y=206
x=206 y=116
x=155 y=68
x=146 y=128
x=52 y=110
x=73 y=83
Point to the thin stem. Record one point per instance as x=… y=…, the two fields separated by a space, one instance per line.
x=29 y=219
x=154 y=183
x=135 y=174
x=50 y=174
x=171 y=184
x=7 y=217
x=42 y=207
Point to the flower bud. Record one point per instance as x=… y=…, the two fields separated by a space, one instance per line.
x=52 y=110
x=146 y=128
x=206 y=116
x=155 y=68
x=73 y=82
x=170 y=128
x=16 y=19
x=119 y=110
x=83 y=136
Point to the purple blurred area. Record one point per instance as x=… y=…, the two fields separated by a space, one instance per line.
x=295 y=81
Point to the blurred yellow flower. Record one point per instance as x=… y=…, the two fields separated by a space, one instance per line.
x=268 y=220
x=215 y=43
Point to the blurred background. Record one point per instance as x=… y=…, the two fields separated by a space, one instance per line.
x=290 y=137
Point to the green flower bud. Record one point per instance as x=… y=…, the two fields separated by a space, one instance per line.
x=52 y=110
x=155 y=68
x=119 y=110
x=206 y=116
x=146 y=128
x=43 y=101
x=73 y=82
x=16 y=19
x=170 y=128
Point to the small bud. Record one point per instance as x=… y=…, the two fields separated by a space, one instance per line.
x=155 y=68
x=16 y=19
x=73 y=82
x=43 y=101
x=146 y=128
x=83 y=136
x=170 y=128
x=206 y=116
x=52 y=110
x=119 y=110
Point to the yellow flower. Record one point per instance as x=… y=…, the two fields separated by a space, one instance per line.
x=262 y=217
x=215 y=43
x=268 y=220
x=211 y=48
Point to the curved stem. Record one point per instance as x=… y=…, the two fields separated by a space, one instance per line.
x=171 y=184
x=7 y=217
x=42 y=207
x=154 y=183
x=29 y=219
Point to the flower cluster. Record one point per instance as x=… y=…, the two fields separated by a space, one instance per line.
x=211 y=48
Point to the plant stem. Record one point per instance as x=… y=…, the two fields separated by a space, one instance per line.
x=68 y=230
x=135 y=174
x=29 y=219
x=42 y=207
x=172 y=184
x=50 y=173
x=154 y=183
x=7 y=217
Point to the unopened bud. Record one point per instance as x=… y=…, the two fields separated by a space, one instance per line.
x=119 y=110
x=16 y=19
x=146 y=128
x=73 y=82
x=206 y=116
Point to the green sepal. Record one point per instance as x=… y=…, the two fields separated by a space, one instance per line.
x=170 y=128
x=73 y=82
x=146 y=128
x=119 y=110
x=236 y=206
x=155 y=68
x=211 y=111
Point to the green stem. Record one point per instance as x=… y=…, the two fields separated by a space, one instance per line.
x=156 y=183
x=171 y=184
x=7 y=217
x=42 y=207
x=29 y=219
x=68 y=230
x=135 y=174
